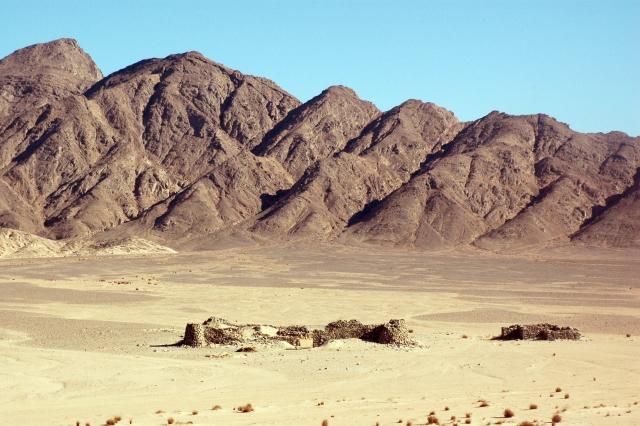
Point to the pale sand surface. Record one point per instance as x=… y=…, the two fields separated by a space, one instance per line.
x=87 y=339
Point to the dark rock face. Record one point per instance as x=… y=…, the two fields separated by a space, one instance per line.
x=317 y=129
x=181 y=148
x=539 y=332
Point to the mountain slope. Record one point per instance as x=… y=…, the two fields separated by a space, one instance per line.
x=183 y=147
x=374 y=164
x=317 y=129
x=505 y=181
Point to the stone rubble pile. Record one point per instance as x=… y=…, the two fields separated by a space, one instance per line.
x=538 y=332
x=218 y=331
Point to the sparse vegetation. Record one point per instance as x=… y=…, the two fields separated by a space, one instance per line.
x=533 y=406
x=432 y=420
x=508 y=413
x=483 y=403
x=557 y=418
x=194 y=412
x=216 y=407
x=325 y=422
x=558 y=389
x=566 y=396
x=526 y=423
x=247 y=408
x=170 y=421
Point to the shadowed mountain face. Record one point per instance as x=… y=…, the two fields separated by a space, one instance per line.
x=183 y=147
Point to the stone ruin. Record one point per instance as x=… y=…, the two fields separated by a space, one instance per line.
x=218 y=331
x=538 y=332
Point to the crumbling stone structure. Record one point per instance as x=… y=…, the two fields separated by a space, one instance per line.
x=538 y=332
x=221 y=332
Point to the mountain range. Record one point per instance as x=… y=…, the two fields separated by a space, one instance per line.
x=184 y=148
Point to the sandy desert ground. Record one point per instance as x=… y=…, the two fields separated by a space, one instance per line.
x=86 y=339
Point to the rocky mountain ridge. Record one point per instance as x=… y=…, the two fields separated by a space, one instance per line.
x=183 y=147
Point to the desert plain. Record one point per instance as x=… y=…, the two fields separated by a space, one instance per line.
x=86 y=339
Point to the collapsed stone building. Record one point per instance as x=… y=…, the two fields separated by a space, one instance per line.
x=218 y=331
x=539 y=332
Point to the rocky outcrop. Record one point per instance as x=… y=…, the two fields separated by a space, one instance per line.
x=539 y=332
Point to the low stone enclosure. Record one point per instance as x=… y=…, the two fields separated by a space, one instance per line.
x=538 y=332
x=219 y=331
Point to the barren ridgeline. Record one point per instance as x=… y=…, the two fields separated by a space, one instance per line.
x=179 y=148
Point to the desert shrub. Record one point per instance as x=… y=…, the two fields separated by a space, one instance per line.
x=508 y=413
x=245 y=408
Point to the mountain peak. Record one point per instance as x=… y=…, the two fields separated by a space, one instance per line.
x=61 y=58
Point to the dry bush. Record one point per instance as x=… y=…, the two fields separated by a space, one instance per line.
x=110 y=422
x=409 y=423
x=194 y=412
x=117 y=418
x=467 y=415
x=170 y=421
x=508 y=413
x=483 y=403
x=325 y=422
x=526 y=423
x=557 y=418
x=558 y=389
x=446 y=408
x=432 y=413
x=159 y=411
x=464 y=336
x=320 y=403
x=216 y=407
x=467 y=421
x=432 y=420
x=245 y=408
x=566 y=396
x=533 y=406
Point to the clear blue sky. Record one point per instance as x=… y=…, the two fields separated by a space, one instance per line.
x=576 y=60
